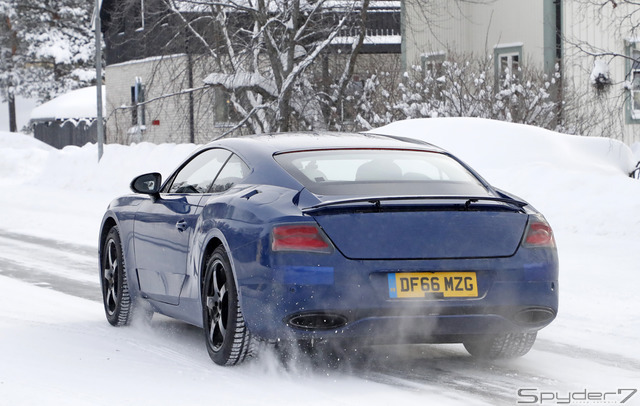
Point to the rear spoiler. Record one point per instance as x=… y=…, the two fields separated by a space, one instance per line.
x=376 y=201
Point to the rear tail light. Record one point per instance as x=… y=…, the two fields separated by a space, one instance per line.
x=539 y=233
x=299 y=237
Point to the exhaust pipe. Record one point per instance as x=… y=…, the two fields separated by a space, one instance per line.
x=534 y=316
x=317 y=321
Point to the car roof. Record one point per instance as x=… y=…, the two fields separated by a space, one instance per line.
x=295 y=141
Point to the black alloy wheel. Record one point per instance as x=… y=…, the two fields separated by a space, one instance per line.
x=227 y=338
x=115 y=289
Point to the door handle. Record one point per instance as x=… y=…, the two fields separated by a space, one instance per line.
x=181 y=225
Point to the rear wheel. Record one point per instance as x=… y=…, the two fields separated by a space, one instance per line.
x=227 y=338
x=511 y=345
x=115 y=287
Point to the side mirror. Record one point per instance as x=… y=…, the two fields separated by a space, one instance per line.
x=148 y=184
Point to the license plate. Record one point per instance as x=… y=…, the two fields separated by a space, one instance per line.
x=432 y=285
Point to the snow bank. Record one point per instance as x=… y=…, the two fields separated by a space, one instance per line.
x=497 y=145
x=62 y=194
x=27 y=161
x=581 y=184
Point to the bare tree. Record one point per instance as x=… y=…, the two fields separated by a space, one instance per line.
x=265 y=58
x=598 y=42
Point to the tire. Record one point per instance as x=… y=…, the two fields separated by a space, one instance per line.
x=113 y=280
x=503 y=346
x=226 y=336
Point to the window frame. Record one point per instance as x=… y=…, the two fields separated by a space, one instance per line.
x=631 y=47
x=433 y=62
x=168 y=185
x=509 y=51
x=138 y=106
x=223 y=188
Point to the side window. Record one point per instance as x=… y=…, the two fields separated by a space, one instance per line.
x=233 y=172
x=198 y=174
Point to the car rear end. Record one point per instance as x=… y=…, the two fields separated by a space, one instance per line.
x=399 y=245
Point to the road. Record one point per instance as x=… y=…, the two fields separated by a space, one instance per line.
x=551 y=367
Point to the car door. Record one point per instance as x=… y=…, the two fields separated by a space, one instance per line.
x=164 y=227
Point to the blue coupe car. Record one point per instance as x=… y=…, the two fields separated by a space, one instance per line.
x=326 y=238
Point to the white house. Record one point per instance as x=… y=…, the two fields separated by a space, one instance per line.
x=588 y=41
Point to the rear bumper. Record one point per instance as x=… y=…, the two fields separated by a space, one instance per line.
x=416 y=322
x=418 y=329
x=346 y=299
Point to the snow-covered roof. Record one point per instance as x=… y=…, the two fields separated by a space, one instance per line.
x=77 y=104
x=369 y=39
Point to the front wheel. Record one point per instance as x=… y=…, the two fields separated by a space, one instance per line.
x=510 y=345
x=115 y=287
x=227 y=338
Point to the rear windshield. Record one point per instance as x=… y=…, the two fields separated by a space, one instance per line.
x=385 y=172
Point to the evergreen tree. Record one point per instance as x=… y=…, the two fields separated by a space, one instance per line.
x=10 y=59
x=46 y=48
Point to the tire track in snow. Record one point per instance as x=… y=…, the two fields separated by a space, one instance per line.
x=450 y=369
x=68 y=268
x=601 y=357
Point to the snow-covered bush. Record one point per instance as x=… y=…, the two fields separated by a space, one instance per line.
x=462 y=87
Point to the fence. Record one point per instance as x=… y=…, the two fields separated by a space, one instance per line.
x=59 y=133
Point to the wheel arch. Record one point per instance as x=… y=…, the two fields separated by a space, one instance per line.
x=113 y=219
x=107 y=225
x=211 y=246
x=216 y=239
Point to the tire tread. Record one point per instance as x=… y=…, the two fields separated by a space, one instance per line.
x=503 y=346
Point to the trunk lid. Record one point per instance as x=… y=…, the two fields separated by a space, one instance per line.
x=424 y=234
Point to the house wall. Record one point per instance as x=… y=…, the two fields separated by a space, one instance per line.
x=587 y=27
x=596 y=29
x=476 y=28
x=166 y=119
x=159 y=77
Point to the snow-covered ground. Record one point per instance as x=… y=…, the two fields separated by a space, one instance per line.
x=57 y=348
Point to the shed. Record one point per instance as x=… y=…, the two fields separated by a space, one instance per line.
x=69 y=119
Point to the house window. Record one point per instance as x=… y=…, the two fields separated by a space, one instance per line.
x=432 y=64
x=508 y=59
x=137 y=104
x=635 y=84
x=224 y=112
x=509 y=63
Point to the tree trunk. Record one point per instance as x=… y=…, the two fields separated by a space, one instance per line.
x=13 y=125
